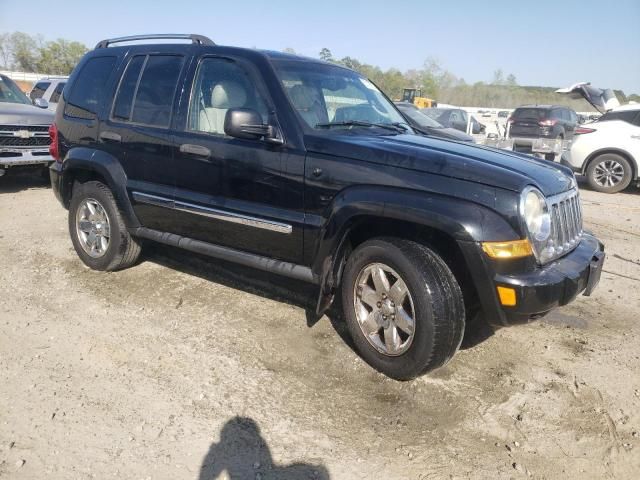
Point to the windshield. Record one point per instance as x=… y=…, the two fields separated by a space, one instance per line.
x=11 y=93
x=327 y=95
x=420 y=119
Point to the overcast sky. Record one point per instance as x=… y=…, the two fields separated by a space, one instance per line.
x=547 y=43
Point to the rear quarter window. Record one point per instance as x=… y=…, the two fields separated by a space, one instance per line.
x=88 y=87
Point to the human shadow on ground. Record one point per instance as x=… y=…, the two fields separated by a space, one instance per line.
x=244 y=454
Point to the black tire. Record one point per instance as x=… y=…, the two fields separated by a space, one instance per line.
x=123 y=250
x=592 y=173
x=438 y=306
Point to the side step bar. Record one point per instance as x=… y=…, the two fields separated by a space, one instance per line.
x=291 y=270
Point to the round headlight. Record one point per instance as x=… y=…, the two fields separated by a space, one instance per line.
x=536 y=215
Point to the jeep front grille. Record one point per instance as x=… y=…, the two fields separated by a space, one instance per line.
x=566 y=224
x=24 y=136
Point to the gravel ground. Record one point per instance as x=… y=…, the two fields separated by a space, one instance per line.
x=186 y=368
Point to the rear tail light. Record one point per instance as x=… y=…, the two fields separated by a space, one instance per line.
x=54 y=149
x=583 y=130
x=547 y=123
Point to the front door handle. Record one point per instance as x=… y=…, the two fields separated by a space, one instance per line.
x=635 y=137
x=197 y=150
x=110 y=137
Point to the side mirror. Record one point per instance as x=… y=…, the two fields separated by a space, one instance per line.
x=247 y=123
x=41 y=102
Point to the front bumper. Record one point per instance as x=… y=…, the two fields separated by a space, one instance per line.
x=541 y=290
x=10 y=157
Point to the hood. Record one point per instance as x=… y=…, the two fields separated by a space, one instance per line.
x=21 y=114
x=479 y=164
x=601 y=99
x=448 y=133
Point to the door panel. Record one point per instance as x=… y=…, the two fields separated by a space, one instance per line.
x=244 y=194
x=138 y=129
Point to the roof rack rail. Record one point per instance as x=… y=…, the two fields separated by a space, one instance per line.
x=195 y=39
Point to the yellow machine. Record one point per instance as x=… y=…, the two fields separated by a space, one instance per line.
x=414 y=95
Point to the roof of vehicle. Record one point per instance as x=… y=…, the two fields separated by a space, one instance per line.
x=542 y=106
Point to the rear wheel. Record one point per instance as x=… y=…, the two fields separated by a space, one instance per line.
x=97 y=229
x=403 y=307
x=609 y=173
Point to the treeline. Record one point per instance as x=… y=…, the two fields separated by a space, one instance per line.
x=436 y=82
x=30 y=53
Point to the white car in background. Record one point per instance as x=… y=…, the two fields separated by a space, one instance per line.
x=607 y=151
x=49 y=89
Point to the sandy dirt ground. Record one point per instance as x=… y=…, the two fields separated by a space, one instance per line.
x=185 y=368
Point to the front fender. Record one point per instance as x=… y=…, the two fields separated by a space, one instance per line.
x=462 y=220
x=82 y=161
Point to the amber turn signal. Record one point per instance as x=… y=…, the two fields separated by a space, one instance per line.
x=512 y=249
x=507 y=296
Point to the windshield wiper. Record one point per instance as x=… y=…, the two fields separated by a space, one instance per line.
x=396 y=127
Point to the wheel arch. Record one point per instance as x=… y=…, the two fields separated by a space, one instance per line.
x=437 y=221
x=84 y=164
x=618 y=151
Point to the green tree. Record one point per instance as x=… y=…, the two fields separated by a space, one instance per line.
x=59 y=57
x=23 y=49
x=511 y=80
x=326 y=55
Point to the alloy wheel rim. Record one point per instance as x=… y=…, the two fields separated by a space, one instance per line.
x=93 y=228
x=608 y=173
x=384 y=309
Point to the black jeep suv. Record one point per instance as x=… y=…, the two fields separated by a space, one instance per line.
x=306 y=169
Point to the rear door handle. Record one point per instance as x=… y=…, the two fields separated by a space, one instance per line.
x=197 y=150
x=110 y=137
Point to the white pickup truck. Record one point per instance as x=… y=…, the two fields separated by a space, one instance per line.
x=24 y=130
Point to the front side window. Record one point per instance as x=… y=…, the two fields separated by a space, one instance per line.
x=38 y=90
x=55 y=96
x=147 y=89
x=88 y=88
x=326 y=95
x=11 y=93
x=221 y=84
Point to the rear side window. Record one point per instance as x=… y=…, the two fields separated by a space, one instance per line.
x=626 y=116
x=147 y=89
x=127 y=89
x=87 y=89
x=39 y=89
x=55 y=96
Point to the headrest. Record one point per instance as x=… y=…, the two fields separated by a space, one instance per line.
x=228 y=95
x=302 y=97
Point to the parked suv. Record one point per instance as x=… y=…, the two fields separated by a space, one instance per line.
x=24 y=130
x=541 y=122
x=607 y=151
x=305 y=169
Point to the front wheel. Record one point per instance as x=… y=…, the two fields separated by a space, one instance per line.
x=609 y=173
x=97 y=229
x=403 y=307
